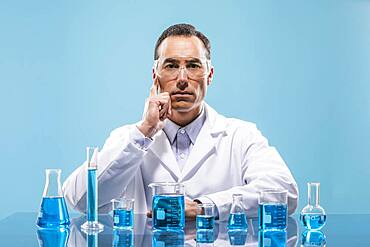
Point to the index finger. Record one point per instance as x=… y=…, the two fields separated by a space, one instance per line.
x=153 y=90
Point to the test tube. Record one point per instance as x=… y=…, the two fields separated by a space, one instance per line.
x=92 y=224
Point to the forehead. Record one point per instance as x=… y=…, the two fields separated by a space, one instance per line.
x=182 y=46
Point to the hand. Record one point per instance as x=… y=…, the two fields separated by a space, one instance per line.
x=190 y=210
x=157 y=109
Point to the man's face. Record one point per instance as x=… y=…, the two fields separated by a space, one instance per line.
x=183 y=71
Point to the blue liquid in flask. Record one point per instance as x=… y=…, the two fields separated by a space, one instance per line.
x=313 y=221
x=168 y=211
x=237 y=237
x=53 y=237
x=92 y=200
x=237 y=221
x=53 y=213
x=313 y=238
x=205 y=222
x=272 y=216
x=123 y=218
x=123 y=238
x=205 y=236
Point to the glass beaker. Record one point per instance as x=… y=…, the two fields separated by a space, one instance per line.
x=237 y=217
x=168 y=205
x=273 y=209
x=123 y=213
x=205 y=216
x=53 y=210
x=92 y=225
x=313 y=216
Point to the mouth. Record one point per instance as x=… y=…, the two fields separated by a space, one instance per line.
x=181 y=93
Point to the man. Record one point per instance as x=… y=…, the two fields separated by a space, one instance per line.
x=182 y=139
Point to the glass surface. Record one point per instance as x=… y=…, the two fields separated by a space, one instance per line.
x=273 y=209
x=19 y=230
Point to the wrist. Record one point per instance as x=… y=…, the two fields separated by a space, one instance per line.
x=146 y=130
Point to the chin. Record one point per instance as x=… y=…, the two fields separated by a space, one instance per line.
x=183 y=106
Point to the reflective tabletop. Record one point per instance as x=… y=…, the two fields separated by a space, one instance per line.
x=19 y=229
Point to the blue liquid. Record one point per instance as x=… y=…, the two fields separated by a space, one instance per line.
x=53 y=237
x=313 y=221
x=123 y=218
x=272 y=216
x=53 y=213
x=237 y=237
x=313 y=238
x=237 y=221
x=205 y=222
x=169 y=238
x=274 y=238
x=92 y=199
x=123 y=238
x=205 y=236
x=168 y=211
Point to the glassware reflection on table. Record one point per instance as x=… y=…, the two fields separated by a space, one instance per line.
x=53 y=210
x=166 y=238
x=205 y=236
x=92 y=239
x=313 y=238
x=313 y=216
x=92 y=225
x=205 y=218
x=273 y=209
x=237 y=217
x=123 y=238
x=168 y=206
x=53 y=237
x=272 y=238
x=123 y=213
x=237 y=237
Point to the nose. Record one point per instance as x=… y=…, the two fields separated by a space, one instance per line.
x=182 y=84
x=183 y=74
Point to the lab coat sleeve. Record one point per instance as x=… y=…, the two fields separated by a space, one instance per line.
x=262 y=168
x=118 y=162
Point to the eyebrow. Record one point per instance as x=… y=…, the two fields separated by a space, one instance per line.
x=174 y=60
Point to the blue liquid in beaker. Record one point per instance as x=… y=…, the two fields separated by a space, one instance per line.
x=168 y=238
x=205 y=236
x=168 y=211
x=272 y=216
x=205 y=222
x=237 y=221
x=274 y=238
x=237 y=237
x=92 y=202
x=53 y=237
x=123 y=218
x=313 y=221
x=53 y=213
x=123 y=238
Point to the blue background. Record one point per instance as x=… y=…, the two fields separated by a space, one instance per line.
x=72 y=71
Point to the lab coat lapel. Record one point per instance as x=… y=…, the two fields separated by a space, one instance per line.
x=162 y=149
x=206 y=143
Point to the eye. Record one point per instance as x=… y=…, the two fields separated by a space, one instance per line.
x=194 y=66
x=170 y=66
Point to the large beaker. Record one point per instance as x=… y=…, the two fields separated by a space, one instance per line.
x=53 y=210
x=168 y=205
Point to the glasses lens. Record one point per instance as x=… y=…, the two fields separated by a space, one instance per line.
x=171 y=70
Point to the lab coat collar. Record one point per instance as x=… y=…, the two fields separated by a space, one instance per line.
x=206 y=144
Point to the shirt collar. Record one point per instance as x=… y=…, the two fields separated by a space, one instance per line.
x=192 y=129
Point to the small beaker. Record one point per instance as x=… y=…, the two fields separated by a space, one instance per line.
x=168 y=205
x=205 y=216
x=123 y=213
x=273 y=209
x=53 y=210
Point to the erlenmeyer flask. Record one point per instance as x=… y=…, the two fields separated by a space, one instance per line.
x=237 y=217
x=53 y=211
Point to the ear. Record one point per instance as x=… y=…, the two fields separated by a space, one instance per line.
x=154 y=75
x=210 y=76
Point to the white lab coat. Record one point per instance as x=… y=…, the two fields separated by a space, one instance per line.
x=229 y=156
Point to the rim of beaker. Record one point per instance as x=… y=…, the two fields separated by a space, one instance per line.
x=274 y=191
x=165 y=184
x=122 y=200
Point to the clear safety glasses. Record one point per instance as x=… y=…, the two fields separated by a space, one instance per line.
x=169 y=68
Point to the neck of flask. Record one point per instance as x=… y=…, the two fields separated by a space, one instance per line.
x=52 y=183
x=313 y=194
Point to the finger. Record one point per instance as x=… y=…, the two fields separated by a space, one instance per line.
x=153 y=91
